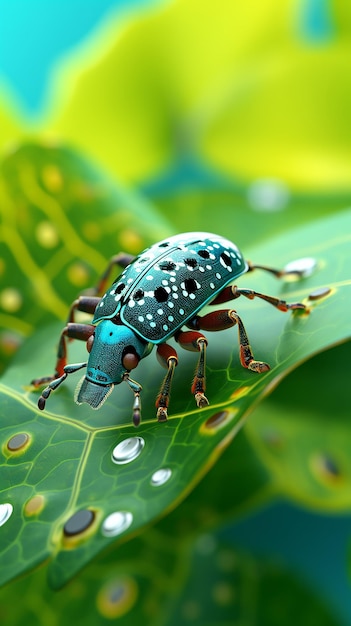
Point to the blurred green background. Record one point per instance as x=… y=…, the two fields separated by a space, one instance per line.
x=230 y=117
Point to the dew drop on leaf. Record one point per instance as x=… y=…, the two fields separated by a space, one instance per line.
x=116 y=523
x=303 y=267
x=161 y=477
x=5 y=512
x=128 y=450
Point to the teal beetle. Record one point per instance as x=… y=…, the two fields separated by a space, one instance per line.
x=159 y=292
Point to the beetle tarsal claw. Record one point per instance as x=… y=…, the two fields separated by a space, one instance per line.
x=162 y=414
x=258 y=366
x=201 y=400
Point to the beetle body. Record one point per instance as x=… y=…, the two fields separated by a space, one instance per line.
x=162 y=290
x=170 y=282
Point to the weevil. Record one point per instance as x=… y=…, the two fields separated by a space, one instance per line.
x=158 y=293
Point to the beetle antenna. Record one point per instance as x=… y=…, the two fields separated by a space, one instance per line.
x=136 y=389
x=68 y=369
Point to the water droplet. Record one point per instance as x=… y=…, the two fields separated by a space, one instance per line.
x=161 y=476
x=305 y=266
x=5 y=512
x=78 y=523
x=117 y=523
x=268 y=195
x=18 y=442
x=322 y=292
x=128 y=450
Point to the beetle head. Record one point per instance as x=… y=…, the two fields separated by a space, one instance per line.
x=114 y=351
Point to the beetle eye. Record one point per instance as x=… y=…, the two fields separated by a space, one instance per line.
x=130 y=361
x=90 y=343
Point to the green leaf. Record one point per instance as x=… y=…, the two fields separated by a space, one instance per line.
x=65 y=465
x=302 y=438
x=61 y=220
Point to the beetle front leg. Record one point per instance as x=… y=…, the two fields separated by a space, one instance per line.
x=221 y=320
x=85 y=304
x=72 y=331
x=68 y=369
x=196 y=342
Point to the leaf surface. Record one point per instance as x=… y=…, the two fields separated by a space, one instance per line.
x=66 y=464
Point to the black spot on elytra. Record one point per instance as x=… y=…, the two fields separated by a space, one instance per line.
x=161 y=294
x=167 y=266
x=138 y=294
x=204 y=254
x=190 y=285
x=119 y=288
x=191 y=263
x=226 y=259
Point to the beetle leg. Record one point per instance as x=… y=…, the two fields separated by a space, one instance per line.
x=272 y=270
x=123 y=260
x=71 y=331
x=136 y=389
x=196 y=342
x=221 y=320
x=86 y=304
x=168 y=358
x=68 y=369
x=232 y=292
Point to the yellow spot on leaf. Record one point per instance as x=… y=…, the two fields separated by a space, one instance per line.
x=34 y=506
x=10 y=299
x=91 y=231
x=47 y=235
x=117 y=597
x=78 y=274
x=131 y=241
x=52 y=178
